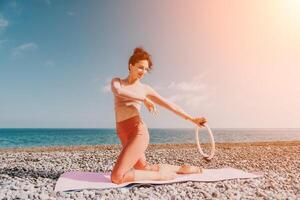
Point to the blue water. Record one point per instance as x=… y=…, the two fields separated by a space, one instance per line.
x=66 y=137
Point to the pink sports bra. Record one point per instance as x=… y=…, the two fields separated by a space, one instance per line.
x=127 y=99
x=124 y=101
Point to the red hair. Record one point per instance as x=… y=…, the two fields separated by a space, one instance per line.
x=140 y=54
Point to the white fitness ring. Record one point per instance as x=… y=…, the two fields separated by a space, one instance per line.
x=212 y=153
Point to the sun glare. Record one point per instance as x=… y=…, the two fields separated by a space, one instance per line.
x=287 y=17
x=290 y=9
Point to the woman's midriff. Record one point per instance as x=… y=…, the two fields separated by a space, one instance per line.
x=125 y=112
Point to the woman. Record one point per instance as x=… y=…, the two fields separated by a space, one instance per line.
x=129 y=94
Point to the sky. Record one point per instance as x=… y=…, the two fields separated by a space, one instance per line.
x=236 y=63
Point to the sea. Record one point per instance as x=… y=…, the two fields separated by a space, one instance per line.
x=43 y=137
x=37 y=137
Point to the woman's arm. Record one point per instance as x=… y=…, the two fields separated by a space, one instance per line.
x=156 y=98
x=119 y=91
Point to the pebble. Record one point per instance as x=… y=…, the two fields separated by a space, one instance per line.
x=43 y=196
x=124 y=190
x=32 y=175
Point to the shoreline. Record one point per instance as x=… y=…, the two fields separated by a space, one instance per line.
x=151 y=146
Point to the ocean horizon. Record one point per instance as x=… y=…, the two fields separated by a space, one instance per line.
x=38 y=137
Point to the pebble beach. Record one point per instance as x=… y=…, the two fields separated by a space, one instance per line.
x=31 y=173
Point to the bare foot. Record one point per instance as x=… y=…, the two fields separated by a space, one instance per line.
x=167 y=175
x=165 y=167
x=188 y=169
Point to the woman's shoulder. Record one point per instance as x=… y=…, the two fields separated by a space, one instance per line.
x=116 y=79
x=147 y=87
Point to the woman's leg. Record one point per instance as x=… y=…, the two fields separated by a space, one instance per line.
x=123 y=170
x=142 y=163
x=184 y=169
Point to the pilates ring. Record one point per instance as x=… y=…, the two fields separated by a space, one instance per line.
x=212 y=141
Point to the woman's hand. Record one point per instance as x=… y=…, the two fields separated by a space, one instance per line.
x=150 y=106
x=200 y=121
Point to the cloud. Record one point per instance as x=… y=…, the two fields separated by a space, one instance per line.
x=13 y=3
x=70 y=13
x=24 y=48
x=14 y=8
x=187 y=86
x=192 y=93
x=3 y=23
x=193 y=85
x=48 y=2
x=190 y=99
x=2 y=42
x=106 y=87
x=49 y=63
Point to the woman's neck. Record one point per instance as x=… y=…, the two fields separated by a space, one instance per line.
x=130 y=80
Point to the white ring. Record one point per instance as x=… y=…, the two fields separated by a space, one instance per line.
x=212 y=153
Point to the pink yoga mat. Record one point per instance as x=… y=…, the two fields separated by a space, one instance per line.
x=76 y=180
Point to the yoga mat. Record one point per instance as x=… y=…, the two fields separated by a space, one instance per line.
x=76 y=180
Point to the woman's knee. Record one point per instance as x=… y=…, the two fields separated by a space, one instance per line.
x=140 y=165
x=119 y=178
x=116 y=178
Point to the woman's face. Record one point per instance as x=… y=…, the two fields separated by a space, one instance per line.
x=139 y=69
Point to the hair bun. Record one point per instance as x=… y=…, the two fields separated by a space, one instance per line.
x=140 y=54
x=139 y=50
